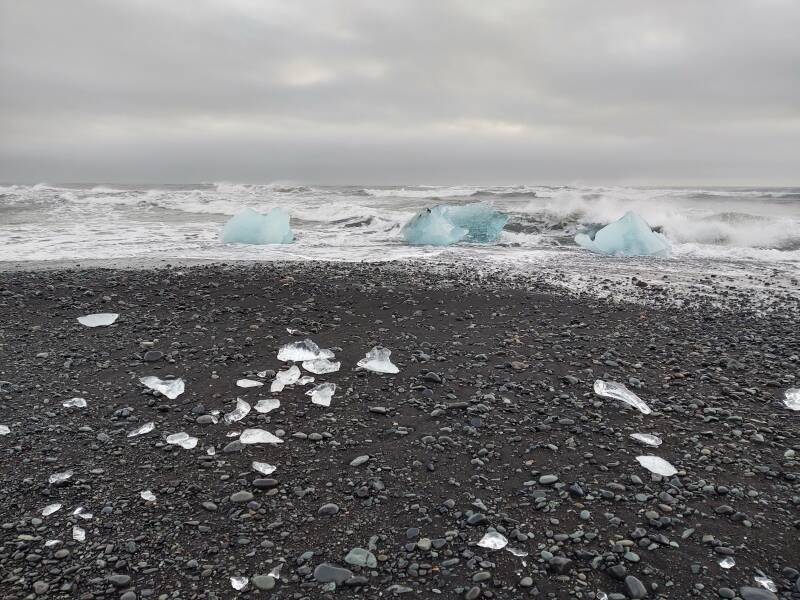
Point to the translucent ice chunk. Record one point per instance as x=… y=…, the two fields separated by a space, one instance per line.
x=321 y=366
x=259 y=436
x=51 y=543
x=248 y=383
x=98 y=319
x=147 y=495
x=431 y=228
x=617 y=391
x=240 y=412
x=182 y=439
x=283 y=378
x=56 y=478
x=628 y=236
x=82 y=513
x=142 y=429
x=74 y=403
x=4 y=430
x=792 y=399
x=517 y=551
x=50 y=509
x=657 y=465
x=766 y=583
x=493 y=540
x=275 y=572
x=377 y=360
x=239 y=583
x=305 y=380
x=447 y=224
x=263 y=468
x=322 y=393
x=171 y=388
x=303 y=350
x=647 y=439
x=267 y=405
x=78 y=533
x=727 y=563
x=251 y=227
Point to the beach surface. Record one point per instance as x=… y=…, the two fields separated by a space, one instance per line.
x=491 y=424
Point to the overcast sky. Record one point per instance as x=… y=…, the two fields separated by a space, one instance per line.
x=384 y=91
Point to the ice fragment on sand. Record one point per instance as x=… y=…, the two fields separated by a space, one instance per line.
x=240 y=412
x=377 y=360
x=50 y=509
x=305 y=380
x=657 y=465
x=182 y=439
x=617 y=391
x=320 y=366
x=263 y=468
x=275 y=572
x=628 y=236
x=766 y=583
x=647 y=439
x=74 y=403
x=248 y=383
x=51 y=543
x=60 y=477
x=447 y=224
x=239 y=583
x=171 y=388
x=304 y=350
x=322 y=394
x=267 y=404
x=493 y=540
x=4 y=430
x=78 y=533
x=251 y=227
x=283 y=378
x=259 y=436
x=82 y=513
x=142 y=429
x=147 y=495
x=98 y=319
x=517 y=551
x=792 y=399
x=727 y=563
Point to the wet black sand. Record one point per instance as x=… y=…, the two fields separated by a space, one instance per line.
x=494 y=393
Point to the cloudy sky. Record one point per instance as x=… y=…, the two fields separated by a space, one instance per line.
x=385 y=91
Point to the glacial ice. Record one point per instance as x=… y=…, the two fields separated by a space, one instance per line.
x=493 y=540
x=792 y=399
x=50 y=509
x=4 y=430
x=275 y=572
x=657 y=465
x=302 y=351
x=322 y=394
x=182 y=439
x=82 y=513
x=240 y=412
x=766 y=583
x=305 y=380
x=263 y=468
x=727 y=563
x=171 y=388
x=98 y=319
x=283 y=378
x=142 y=429
x=628 y=236
x=447 y=224
x=78 y=534
x=74 y=403
x=251 y=227
x=147 y=496
x=647 y=439
x=377 y=361
x=259 y=436
x=321 y=366
x=617 y=391
x=56 y=478
x=239 y=583
x=517 y=551
x=248 y=383
x=267 y=405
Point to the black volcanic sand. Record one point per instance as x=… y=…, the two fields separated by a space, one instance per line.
x=490 y=424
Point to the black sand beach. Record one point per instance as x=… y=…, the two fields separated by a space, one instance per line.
x=490 y=423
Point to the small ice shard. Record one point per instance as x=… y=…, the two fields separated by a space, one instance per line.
x=727 y=562
x=291 y=331
x=171 y=388
x=50 y=509
x=4 y=430
x=78 y=533
x=792 y=399
x=98 y=319
x=56 y=478
x=321 y=366
x=617 y=391
x=182 y=439
x=211 y=451
x=240 y=412
x=302 y=351
x=248 y=383
x=267 y=405
x=305 y=380
x=657 y=465
x=82 y=513
x=493 y=540
x=239 y=583
x=263 y=468
x=447 y=224
x=74 y=403
x=233 y=434
x=322 y=393
x=51 y=543
x=142 y=429
x=628 y=236
x=766 y=583
x=377 y=360
x=283 y=378
x=647 y=439
x=252 y=227
x=147 y=495
x=259 y=436
x=517 y=551
x=275 y=573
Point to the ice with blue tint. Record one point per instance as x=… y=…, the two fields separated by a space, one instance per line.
x=444 y=225
x=251 y=227
x=628 y=236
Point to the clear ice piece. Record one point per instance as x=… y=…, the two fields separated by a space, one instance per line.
x=259 y=436
x=322 y=393
x=4 y=430
x=51 y=543
x=447 y=224
x=493 y=540
x=240 y=412
x=275 y=572
x=766 y=583
x=727 y=563
x=182 y=439
x=248 y=383
x=617 y=391
x=792 y=399
x=74 y=403
x=657 y=465
x=50 y=509
x=82 y=513
x=252 y=227
x=263 y=468
x=647 y=439
x=239 y=583
x=171 y=388
x=628 y=236
x=305 y=380
x=517 y=551
x=283 y=378
x=377 y=360
x=60 y=477
x=78 y=533
x=142 y=429
x=147 y=495
x=267 y=405
x=98 y=319
x=321 y=366
x=301 y=351
x=211 y=451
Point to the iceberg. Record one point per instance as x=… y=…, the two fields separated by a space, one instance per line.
x=647 y=439
x=142 y=429
x=493 y=540
x=50 y=509
x=377 y=361
x=251 y=227
x=283 y=378
x=267 y=405
x=74 y=403
x=147 y=495
x=182 y=439
x=447 y=224
x=628 y=236
x=263 y=468
x=248 y=383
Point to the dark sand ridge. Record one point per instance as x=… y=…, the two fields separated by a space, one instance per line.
x=491 y=422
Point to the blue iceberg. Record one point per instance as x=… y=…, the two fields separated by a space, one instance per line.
x=444 y=225
x=628 y=236
x=251 y=227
